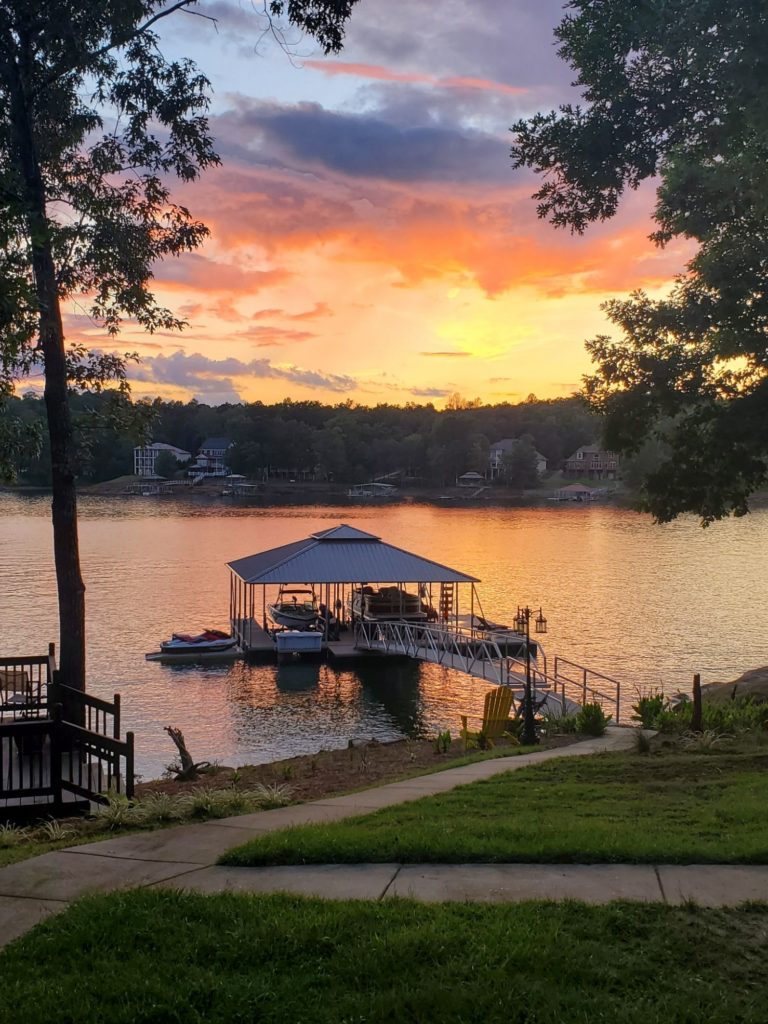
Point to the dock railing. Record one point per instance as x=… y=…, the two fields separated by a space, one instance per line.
x=482 y=657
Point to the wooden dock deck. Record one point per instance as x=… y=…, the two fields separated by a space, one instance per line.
x=252 y=638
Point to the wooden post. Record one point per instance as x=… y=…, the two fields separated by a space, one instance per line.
x=116 y=720
x=696 y=722
x=55 y=753
x=129 y=780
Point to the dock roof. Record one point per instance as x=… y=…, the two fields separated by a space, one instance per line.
x=343 y=554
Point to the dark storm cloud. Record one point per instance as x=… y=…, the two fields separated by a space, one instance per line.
x=508 y=40
x=366 y=145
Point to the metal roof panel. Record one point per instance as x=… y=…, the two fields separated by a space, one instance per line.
x=327 y=560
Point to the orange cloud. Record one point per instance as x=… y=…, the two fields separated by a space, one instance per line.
x=489 y=236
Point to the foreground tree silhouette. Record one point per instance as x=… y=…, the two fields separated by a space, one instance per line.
x=94 y=121
x=677 y=90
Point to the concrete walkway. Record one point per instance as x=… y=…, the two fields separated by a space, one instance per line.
x=185 y=857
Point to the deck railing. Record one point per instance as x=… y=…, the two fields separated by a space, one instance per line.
x=83 y=709
x=59 y=747
x=50 y=766
x=24 y=682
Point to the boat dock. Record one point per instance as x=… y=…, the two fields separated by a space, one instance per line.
x=440 y=620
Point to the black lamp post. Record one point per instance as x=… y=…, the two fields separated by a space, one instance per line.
x=523 y=625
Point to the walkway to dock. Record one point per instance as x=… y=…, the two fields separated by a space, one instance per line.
x=185 y=858
x=484 y=655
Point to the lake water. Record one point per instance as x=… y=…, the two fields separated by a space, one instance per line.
x=649 y=605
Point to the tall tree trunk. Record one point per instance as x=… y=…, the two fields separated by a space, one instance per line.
x=71 y=589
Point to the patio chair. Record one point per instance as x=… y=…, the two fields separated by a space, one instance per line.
x=496 y=712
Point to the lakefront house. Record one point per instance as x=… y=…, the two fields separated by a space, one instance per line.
x=145 y=457
x=593 y=462
x=211 y=458
x=499 y=449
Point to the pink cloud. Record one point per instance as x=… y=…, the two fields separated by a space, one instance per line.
x=382 y=74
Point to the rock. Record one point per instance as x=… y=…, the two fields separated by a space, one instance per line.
x=753 y=683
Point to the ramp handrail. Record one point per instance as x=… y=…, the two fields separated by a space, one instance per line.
x=481 y=656
x=586 y=674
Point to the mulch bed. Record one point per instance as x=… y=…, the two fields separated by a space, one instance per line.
x=330 y=772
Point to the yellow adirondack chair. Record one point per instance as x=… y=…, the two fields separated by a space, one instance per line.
x=496 y=712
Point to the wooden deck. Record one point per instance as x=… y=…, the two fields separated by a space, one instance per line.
x=252 y=638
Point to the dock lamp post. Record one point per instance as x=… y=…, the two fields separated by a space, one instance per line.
x=523 y=625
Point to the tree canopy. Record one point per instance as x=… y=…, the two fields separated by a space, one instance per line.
x=675 y=90
x=95 y=123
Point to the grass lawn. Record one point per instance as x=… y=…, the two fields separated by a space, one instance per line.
x=28 y=843
x=153 y=957
x=659 y=808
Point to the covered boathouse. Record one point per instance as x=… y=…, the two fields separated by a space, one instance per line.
x=347 y=569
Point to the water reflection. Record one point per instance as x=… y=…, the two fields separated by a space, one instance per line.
x=295 y=676
x=649 y=605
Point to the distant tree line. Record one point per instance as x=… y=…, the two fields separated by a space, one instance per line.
x=344 y=443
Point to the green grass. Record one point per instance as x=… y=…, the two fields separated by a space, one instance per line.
x=668 y=808
x=33 y=845
x=155 y=958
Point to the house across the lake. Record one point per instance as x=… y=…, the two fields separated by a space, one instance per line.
x=505 y=446
x=211 y=458
x=144 y=458
x=593 y=462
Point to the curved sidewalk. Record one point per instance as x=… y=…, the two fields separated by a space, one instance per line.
x=184 y=857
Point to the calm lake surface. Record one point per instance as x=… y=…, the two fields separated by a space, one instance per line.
x=646 y=604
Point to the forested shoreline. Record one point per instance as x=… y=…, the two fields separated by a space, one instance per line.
x=344 y=443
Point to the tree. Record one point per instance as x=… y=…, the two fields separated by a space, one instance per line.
x=519 y=466
x=166 y=464
x=94 y=121
x=676 y=90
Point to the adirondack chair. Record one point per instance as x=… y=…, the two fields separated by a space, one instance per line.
x=496 y=712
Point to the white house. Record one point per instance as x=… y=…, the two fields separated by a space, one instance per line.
x=144 y=458
x=499 y=449
x=211 y=458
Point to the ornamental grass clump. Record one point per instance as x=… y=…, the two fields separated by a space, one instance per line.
x=270 y=797
x=12 y=835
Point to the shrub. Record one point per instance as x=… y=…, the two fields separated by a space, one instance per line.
x=443 y=742
x=737 y=716
x=642 y=743
x=591 y=720
x=554 y=723
x=647 y=710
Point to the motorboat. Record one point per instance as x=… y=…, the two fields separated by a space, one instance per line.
x=208 y=642
x=387 y=604
x=295 y=608
x=297 y=641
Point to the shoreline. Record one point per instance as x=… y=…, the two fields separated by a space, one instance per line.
x=329 y=495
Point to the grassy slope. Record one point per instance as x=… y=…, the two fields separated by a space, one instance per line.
x=672 y=808
x=141 y=957
x=11 y=853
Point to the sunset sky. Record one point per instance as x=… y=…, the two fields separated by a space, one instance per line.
x=370 y=239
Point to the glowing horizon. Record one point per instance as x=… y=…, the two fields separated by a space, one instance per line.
x=369 y=239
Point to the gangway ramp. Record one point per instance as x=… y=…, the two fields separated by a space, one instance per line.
x=481 y=656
